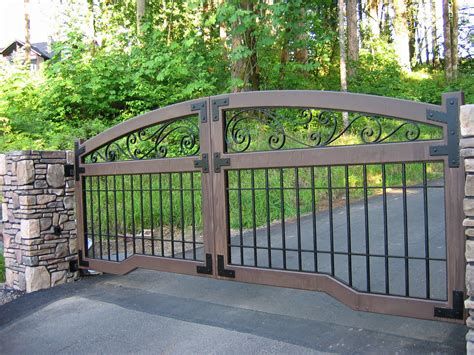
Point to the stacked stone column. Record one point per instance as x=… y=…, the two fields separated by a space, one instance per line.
x=467 y=152
x=38 y=214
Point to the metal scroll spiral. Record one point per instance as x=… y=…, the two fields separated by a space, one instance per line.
x=151 y=144
x=324 y=129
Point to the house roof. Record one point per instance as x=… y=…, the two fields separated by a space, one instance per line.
x=40 y=48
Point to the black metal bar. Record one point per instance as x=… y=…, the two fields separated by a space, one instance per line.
x=124 y=216
x=160 y=181
x=100 y=218
x=116 y=220
x=84 y=217
x=331 y=218
x=181 y=201
x=152 y=222
x=385 y=228
x=142 y=214
x=298 y=220
x=170 y=190
x=405 y=229
x=193 y=217
x=282 y=212
x=313 y=217
x=133 y=215
x=239 y=197
x=348 y=225
x=254 y=223
x=366 y=223
x=427 y=245
x=267 y=203
x=107 y=215
x=91 y=182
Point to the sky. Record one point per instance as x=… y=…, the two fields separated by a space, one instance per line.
x=44 y=15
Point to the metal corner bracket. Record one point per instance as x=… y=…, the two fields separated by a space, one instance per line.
x=219 y=162
x=202 y=163
x=221 y=270
x=200 y=106
x=207 y=268
x=216 y=103
x=451 y=118
x=457 y=312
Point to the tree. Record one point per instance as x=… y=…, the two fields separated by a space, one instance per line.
x=448 y=57
x=454 y=40
x=402 y=37
x=352 y=36
x=342 y=51
x=141 y=9
x=374 y=23
x=434 y=33
x=26 y=4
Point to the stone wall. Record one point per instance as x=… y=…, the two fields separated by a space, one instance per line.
x=38 y=217
x=467 y=151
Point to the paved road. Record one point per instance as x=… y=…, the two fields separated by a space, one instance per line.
x=155 y=312
x=396 y=246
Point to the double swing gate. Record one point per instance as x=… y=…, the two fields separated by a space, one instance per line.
x=355 y=195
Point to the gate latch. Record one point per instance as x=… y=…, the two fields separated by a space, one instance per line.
x=202 y=163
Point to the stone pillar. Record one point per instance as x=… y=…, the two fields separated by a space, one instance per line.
x=467 y=152
x=38 y=216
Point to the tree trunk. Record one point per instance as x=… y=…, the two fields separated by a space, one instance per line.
x=374 y=23
x=352 y=36
x=301 y=52
x=27 y=48
x=455 y=35
x=402 y=36
x=448 y=64
x=412 y=12
x=434 y=34
x=141 y=9
x=342 y=52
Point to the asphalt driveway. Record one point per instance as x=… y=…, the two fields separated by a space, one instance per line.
x=156 y=312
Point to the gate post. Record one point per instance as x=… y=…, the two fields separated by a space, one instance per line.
x=38 y=214
x=467 y=152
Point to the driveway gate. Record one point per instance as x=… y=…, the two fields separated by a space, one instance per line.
x=355 y=195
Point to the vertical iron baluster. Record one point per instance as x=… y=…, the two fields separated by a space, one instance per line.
x=331 y=219
x=170 y=190
x=141 y=214
x=181 y=201
x=124 y=216
x=116 y=220
x=348 y=222
x=427 y=246
x=267 y=199
x=282 y=212
x=313 y=213
x=405 y=229
x=107 y=215
x=366 y=222
x=160 y=181
x=385 y=229
x=100 y=217
x=193 y=217
x=152 y=224
x=91 y=181
x=239 y=197
x=254 y=222
x=86 y=215
x=298 y=221
x=133 y=215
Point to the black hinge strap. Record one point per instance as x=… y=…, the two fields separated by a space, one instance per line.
x=457 y=312
x=206 y=269
x=221 y=271
x=216 y=103
x=218 y=162
x=202 y=163
x=451 y=118
x=200 y=106
x=78 y=151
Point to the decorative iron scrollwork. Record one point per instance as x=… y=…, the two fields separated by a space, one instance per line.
x=311 y=128
x=171 y=139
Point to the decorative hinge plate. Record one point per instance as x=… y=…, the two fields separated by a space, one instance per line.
x=451 y=118
x=221 y=271
x=218 y=162
x=69 y=170
x=457 y=312
x=202 y=163
x=206 y=269
x=216 y=103
x=200 y=106
x=78 y=151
